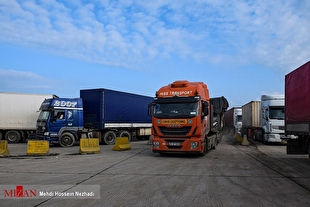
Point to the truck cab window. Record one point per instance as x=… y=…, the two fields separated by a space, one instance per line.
x=44 y=115
x=59 y=115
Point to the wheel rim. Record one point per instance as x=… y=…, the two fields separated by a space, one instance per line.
x=109 y=138
x=125 y=134
x=13 y=137
x=66 y=141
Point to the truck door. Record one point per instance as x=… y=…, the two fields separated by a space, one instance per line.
x=58 y=120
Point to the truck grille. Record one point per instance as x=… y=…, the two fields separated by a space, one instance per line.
x=40 y=127
x=174 y=131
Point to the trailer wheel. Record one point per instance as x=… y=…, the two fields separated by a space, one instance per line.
x=66 y=140
x=125 y=133
x=109 y=137
x=12 y=136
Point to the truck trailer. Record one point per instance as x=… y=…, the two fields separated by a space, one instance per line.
x=264 y=120
x=297 y=110
x=185 y=119
x=18 y=115
x=104 y=113
x=233 y=120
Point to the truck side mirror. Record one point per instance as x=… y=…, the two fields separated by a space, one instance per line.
x=266 y=114
x=205 y=106
x=149 y=111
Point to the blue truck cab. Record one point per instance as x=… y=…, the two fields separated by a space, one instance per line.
x=60 y=121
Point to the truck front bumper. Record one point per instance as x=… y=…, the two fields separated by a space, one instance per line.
x=274 y=138
x=51 y=140
x=183 y=146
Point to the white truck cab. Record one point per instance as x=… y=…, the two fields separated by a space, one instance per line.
x=272 y=117
x=238 y=119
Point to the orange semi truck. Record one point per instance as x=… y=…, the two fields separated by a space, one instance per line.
x=185 y=119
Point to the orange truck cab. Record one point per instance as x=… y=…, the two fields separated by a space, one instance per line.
x=185 y=119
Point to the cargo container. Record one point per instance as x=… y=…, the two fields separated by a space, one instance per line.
x=18 y=115
x=251 y=114
x=106 y=113
x=297 y=110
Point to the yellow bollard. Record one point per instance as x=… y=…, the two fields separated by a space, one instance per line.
x=4 y=148
x=121 y=143
x=38 y=147
x=245 y=140
x=89 y=146
x=238 y=137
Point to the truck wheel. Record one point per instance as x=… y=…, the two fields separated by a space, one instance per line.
x=205 y=149
x=109 y=138
x=215 y=145
x=125 y=133
x=66 y=140
x=12 y=136
x=264 y=140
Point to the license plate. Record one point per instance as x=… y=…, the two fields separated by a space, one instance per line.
x=174 y=121
x=174 y=144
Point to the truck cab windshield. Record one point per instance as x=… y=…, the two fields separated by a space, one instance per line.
x=276 y=113
x=43 y=116
x=176 y=110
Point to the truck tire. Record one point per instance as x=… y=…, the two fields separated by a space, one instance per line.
x=109 y=137
x=125 y=133
x=222 y=123
x=66 y=140
x=205 y=149
x=13 y=136
x=216 y=141
x=258 y=135
x=264 y=140
x=214 y=145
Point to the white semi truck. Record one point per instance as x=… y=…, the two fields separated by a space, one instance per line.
x=18 y=115
x=233 y=119
x=264 y=120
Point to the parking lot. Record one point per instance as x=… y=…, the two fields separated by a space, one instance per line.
x=231 y=175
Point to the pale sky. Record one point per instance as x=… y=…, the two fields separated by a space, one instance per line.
x=241 y=50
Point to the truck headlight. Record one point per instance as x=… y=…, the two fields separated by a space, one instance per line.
x=194 y=145
x=156 y=144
